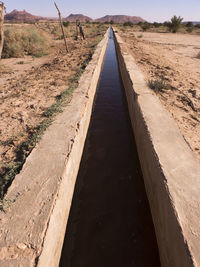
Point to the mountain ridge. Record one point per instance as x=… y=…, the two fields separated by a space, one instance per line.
x=120 y=19
x=81 y=17
x=21 y=16
x=24 y=16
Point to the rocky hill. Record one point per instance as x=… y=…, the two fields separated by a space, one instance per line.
x=21 y=16
x=80 y=17
x=24 y=16
x=120 y=19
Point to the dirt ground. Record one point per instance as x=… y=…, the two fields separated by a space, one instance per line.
x=29 y=86
x=172 y=59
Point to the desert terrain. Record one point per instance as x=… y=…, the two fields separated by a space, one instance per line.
x=170 y=63
x=33 y=89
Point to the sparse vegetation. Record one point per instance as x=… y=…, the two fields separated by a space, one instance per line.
x=5 y=203
x=189 y=24
x=66 y=23
x=20 y=62
x=24 y=41
x=190 y=29
x=198 y=55
x=11 y=170
x=157 y=25
x=158 y=85
x=145 y=26
x=128 y=23
x=175 y=25
x=22 y=145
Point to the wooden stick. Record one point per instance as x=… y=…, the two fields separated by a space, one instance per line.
x=2 y=8
x=61 y=24
x=76 y=29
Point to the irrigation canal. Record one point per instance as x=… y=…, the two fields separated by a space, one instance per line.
x=110 y=224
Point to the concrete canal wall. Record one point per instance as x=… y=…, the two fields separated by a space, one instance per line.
x=171 y=172
x=33 y=227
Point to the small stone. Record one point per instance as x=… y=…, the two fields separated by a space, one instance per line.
x=21 y=246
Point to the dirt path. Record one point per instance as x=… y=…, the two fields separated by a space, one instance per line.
x=29 y=87
x=172 y=60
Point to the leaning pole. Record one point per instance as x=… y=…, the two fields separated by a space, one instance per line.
x=2 y=7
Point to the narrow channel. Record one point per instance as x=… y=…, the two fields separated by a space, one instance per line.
x=110 y=223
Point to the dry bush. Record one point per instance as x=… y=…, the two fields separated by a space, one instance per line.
x=24 y=41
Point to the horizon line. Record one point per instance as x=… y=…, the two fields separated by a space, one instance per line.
x=193 y=20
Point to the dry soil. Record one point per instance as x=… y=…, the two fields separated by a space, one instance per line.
x=172 y=59
x=28 y=86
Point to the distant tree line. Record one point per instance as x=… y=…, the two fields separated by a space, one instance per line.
x=173 y=25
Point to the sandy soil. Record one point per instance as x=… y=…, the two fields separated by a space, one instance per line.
x=28 y=86
x=172 y=58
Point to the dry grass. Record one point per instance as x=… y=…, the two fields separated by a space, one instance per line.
x=34 y=40
x=30 y=101
x=21 y=41
x=160 y=28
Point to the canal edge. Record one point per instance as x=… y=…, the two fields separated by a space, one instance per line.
x=171 y=172
x=33 y=226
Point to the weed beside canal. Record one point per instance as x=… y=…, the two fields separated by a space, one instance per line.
x=158 y=85
x=34 y=135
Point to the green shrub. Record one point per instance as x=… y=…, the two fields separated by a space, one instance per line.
x=24 y=41
x=189 y=24
x=66 y=23
x=128 y=23
x=190 y=29
x=157 y=25
x=167 y=24
x=158 y=85
x=20 y=62
x=145 y=26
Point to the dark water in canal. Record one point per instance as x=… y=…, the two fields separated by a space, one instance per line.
x=110 y=223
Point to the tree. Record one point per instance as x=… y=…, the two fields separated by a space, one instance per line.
x=2 y=8
x=175 y=24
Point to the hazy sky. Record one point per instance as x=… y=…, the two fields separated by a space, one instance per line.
x=151 y=10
